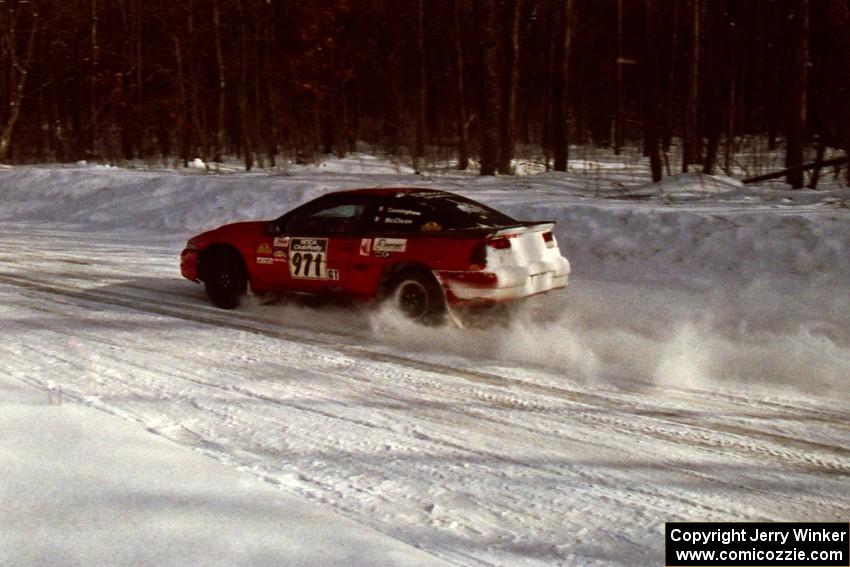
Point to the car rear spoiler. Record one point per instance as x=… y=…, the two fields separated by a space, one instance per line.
x=518 y=227
x=524 y=227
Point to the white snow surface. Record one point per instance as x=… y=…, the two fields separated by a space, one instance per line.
x=696 y=368
x=81 y=487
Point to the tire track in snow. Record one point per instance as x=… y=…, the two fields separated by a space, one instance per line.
x=118 y=271
x=626 y=424
x=633 y=495
x=631 y=498
x=612 y=492
x=799 y=457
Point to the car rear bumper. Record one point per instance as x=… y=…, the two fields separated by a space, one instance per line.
x=504 y=284
x=189 y=264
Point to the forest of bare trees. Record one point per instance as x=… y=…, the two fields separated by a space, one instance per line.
x=268 y=80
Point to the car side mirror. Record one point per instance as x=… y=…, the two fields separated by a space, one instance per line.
x=272 y=229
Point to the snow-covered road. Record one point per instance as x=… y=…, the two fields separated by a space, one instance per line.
x=567 y=438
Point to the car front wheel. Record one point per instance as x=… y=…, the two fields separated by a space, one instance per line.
x=225 y=280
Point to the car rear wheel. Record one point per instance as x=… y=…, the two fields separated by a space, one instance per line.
x=418 y=297
x=224 y=279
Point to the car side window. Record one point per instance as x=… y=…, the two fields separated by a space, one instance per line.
x=337 y=218
x=403 y=214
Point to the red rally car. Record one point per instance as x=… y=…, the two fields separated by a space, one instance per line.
x=421 y=249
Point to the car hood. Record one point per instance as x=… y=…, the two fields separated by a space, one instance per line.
x=250 y=228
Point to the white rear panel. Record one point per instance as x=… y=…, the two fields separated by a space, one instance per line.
x=530 y=266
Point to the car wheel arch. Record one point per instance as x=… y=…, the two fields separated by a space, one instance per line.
x=221 y=247
x=391 y=274
x=399 y=288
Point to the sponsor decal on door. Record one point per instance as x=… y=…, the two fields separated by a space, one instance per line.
x=308 y=258
x=390 y=245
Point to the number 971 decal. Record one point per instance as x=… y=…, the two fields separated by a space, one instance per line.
x=308 y=258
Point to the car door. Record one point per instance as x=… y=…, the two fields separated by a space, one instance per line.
x=312 y=249
x=270 y=260
x=391 y=227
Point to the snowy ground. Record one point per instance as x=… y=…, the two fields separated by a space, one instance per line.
x=84 y=488
x=696 y=369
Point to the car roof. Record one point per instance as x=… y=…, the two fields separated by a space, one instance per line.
x=385 y=191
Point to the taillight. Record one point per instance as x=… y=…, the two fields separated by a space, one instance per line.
x=549 y=239
x=478 y=256
x=500 y=243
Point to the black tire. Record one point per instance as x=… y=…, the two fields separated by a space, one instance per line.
x=416 y=296
x=224 y=278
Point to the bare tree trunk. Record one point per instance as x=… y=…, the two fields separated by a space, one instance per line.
x=258 y=125
x=506 y=149
x=818 y=161
x=141 y=122
x=343 y=121
x=731 y=101
x=714 y=103
x=490 y=95
x=671 y=91
x=618 y=116
x=79 y=124
x=651 y=91
x=271 y=118
x=200 y=127
x=244 y=119
x=272 y=121
x=57 y=128
x=546 y=135
x=19 y=72
x=129 y=118
x=95 y=56
x=222 y=85
x=43 y=139
x=185 y=119
x=773 y=78
x=690 y=153
x=263 y=89
x=422 y=87
x=784 y=172
x=462 y=126
x=798 y=89
x=713 y=138
x=7 y=51
x=560 y=104
x=324 y=123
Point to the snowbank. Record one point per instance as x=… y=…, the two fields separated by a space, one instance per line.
x=691 y=227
